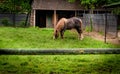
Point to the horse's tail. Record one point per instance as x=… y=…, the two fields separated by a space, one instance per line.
x=81 y=24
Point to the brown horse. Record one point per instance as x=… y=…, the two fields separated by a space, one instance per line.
x=67 y=24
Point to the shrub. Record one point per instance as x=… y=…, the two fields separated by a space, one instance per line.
x=118 y=27
x=88 y=29
x=5 y=22
x=21 y=24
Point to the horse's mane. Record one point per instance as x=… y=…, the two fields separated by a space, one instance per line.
x=60 y=23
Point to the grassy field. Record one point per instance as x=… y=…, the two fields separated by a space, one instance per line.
x=54 y=64
x=60 y=64
x=43 y=38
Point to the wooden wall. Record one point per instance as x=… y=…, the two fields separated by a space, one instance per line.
x=56 y=5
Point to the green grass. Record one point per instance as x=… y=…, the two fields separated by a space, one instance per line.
x=54 y=64
x=60 y=64
x=43 y=38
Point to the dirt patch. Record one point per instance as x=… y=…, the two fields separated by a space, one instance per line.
x=98 y=36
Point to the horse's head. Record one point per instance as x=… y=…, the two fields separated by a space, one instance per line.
x=59 y=26
x=56 y=34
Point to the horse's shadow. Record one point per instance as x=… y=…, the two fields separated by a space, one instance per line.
x=70 y=38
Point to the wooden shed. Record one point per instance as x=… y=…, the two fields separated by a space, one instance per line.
x=46 y=13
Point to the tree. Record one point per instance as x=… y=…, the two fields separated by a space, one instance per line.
x=17 y=6
x=89 y=4
x=116 y=10
x=92 y=4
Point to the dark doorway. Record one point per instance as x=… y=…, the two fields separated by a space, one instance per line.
x=44 y=18
x=65 y=14
x=40 y=18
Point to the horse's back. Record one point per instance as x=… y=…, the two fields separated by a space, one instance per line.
x=76 y=19
x=73 y=22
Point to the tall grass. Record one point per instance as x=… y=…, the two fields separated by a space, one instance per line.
x=43 y=38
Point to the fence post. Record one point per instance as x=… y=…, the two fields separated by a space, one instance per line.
x=55 y=18
x=105 y=26
x=91 y=23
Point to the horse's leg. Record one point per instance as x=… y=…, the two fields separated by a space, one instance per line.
x=81 y=37
x=62 y=33
x=80 y=33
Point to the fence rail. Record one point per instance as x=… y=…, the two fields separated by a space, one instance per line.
x=58 y=51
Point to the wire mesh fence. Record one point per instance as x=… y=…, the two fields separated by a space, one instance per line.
x=11 y=19
x=97 y=21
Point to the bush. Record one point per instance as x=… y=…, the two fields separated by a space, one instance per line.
x=21 y=24
x=88 y=29
x=5 y=22
x=118 y=27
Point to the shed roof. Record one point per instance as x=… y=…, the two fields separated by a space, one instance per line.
x=56 y=5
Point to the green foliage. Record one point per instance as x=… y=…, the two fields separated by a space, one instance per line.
x=71 y=1
x=16 y=6
x=116 y=11
x=91 y=24
x=89 y=4
x=92 y=4
x=5 y=22
x=21 y=24
x=88 y=29
x=111 y=1
x=118 y=28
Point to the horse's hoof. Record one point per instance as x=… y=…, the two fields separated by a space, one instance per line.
x=81 y=38
x=53 y=37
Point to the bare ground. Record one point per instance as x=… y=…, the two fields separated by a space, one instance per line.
x=110 y=38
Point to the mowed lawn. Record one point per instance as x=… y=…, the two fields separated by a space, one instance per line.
x=43 y=38
x=60 y=64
